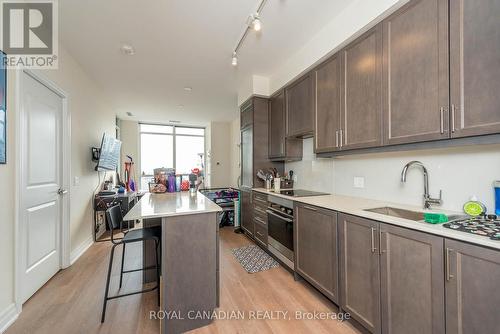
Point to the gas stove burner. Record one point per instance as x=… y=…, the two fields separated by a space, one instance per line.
x=487 y=226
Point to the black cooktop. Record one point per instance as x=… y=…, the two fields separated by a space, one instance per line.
x=487 y=226
x=300 y=193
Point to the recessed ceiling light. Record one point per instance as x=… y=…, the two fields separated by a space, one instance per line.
x=188 y=89
x=172 y=121
x=128 y=50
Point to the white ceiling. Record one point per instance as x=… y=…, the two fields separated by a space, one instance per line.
x=182 y=43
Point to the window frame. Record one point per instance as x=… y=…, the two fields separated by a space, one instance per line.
x=174 y=144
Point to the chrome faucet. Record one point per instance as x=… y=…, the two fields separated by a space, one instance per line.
x=428 y=200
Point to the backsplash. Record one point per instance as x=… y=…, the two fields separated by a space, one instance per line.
x=312 y=173
x=459 y=172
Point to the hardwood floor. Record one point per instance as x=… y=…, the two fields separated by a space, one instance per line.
x=71 y=301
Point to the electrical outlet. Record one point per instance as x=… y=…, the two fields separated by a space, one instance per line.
x=76 y=181
x=295 y=178
x=359 y=182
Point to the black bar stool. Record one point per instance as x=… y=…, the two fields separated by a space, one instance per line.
x=114 y=219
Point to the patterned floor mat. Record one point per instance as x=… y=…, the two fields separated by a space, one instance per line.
x=254 y=259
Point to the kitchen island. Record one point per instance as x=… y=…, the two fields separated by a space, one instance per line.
x=189 y=257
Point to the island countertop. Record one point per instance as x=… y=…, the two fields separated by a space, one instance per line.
x=171 y=204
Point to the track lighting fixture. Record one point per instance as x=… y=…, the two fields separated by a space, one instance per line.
x=253 y=22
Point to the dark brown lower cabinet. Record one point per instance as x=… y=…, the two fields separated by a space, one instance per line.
x=360 y=270
x=391 y=278
x=316 y=248
x=412 y=281
x=472 y=289
x=247 y=222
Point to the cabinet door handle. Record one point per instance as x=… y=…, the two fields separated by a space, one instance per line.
x=337 y=138
x=380 y=250
x=449 y=276
x=258 y=199
x=341 y=132
x=453 y=118
x=260 y=220
x=256 y=208
x=373 y=240
x=441 y=119
x=258 y=233
x=309 y=208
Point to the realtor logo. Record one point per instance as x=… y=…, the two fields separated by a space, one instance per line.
x=29 y=33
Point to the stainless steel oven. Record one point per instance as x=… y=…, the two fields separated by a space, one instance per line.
x=280 y=229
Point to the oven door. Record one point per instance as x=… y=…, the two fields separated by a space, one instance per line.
x=280 y=228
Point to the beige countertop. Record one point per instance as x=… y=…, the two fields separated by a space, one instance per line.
x=356 y=206
x=171 y=204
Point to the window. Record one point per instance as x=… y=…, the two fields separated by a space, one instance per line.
x=182 y=148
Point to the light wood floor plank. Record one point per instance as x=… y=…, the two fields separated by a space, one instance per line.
x=71 y=301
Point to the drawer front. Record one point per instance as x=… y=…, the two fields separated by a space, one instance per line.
x=259 y=218
x=260 y=211
x=261 y=233
x=260 y=199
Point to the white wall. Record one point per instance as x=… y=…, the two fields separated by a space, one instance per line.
x=129 y=135
x=460 y=172
x=90 y=117
x=311 y=173
x=220 y=144
x=7 y=176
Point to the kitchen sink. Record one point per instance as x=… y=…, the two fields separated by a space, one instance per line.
x=406 y=214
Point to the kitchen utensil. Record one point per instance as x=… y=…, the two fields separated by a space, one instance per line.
x=277 y=184
x=261 y=175
x=290 y=175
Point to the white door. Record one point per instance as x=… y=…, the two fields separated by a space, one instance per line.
x=41 y=180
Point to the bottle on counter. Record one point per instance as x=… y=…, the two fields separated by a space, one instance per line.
x=496 y=185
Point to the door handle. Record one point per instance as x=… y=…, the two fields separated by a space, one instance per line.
x=441 y=119
x=278 y=216
x=453 y=118
x=309 y=208
x=373 y=240
x=337 y=138
x=62 y=191
x=449 y=276
x=380 y=250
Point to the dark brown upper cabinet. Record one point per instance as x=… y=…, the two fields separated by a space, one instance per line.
x=300 y=107
x=361 y=92
x=327 y=107
x=475 y=67
x=415 y=76
x=281 y=148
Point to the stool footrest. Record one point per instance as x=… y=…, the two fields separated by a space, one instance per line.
x=132 y=293
x=140 y=269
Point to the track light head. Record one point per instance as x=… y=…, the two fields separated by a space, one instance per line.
x=256 y=24
x=234 y=60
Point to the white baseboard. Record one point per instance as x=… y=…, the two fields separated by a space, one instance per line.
x=75 y=254
x=7 y=317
